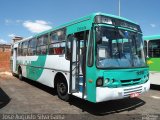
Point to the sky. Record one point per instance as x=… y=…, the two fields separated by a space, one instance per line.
x=28 y=17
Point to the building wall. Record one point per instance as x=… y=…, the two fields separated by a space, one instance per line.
x=4 y=48
x=5 y=52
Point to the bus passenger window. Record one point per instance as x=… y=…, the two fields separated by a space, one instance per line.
x=54 y=38
x=57 y=42
x=38 y=51
x=57 y=49
x=42 y=45
x=32 y=47
x=154 y=48
x=24 y=48
x=57 y=36
x=43 y=50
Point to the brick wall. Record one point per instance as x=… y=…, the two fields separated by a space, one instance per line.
x=5 y=48
x=5 y=61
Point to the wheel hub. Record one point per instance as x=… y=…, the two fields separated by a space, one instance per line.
x=62 y=88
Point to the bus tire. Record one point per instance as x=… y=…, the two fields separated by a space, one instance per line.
x=62 y=89
x=13 y=74
x=20 y=73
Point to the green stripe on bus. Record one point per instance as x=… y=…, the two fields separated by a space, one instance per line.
x=33 y=72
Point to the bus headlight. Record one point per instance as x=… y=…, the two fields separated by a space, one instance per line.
x=146 y=78
x=99 y=82
x=106 y=81
x=112 y=80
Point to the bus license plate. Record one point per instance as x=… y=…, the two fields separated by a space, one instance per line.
x=133 y=95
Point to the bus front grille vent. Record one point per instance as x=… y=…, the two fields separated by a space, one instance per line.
x=130 y=82
x=128 y=91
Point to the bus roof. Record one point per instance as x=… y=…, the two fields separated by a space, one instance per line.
x=152 y=37
x=24 y=39
x=88 y=17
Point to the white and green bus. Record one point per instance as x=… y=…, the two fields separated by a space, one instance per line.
x=99 y=57
x=152 y=50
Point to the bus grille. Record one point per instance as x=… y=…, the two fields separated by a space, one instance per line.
x=130 y=82
x=128 y=91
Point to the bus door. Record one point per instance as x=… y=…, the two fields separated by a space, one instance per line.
x=78 y=63
x=15 y=58
x=74 y=72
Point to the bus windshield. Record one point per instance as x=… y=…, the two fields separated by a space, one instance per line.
x=117 y=48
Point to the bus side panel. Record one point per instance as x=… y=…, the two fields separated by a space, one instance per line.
x=44 y=68
x=54 y=64
x=28 y=68
x=35 y=68
x=154 y=64
x=24 y=71
x=154 y=68
x=91 y=83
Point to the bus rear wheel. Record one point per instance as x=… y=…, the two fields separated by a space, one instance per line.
x=62 y=89
x=20 y=74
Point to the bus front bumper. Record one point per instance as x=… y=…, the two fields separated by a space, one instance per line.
x=106 y=94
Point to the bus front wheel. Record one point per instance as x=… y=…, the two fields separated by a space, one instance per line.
x=62 y=89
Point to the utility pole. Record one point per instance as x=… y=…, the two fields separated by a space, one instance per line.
x=119 y=7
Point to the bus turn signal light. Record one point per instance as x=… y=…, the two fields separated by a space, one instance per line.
x=90 y=81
